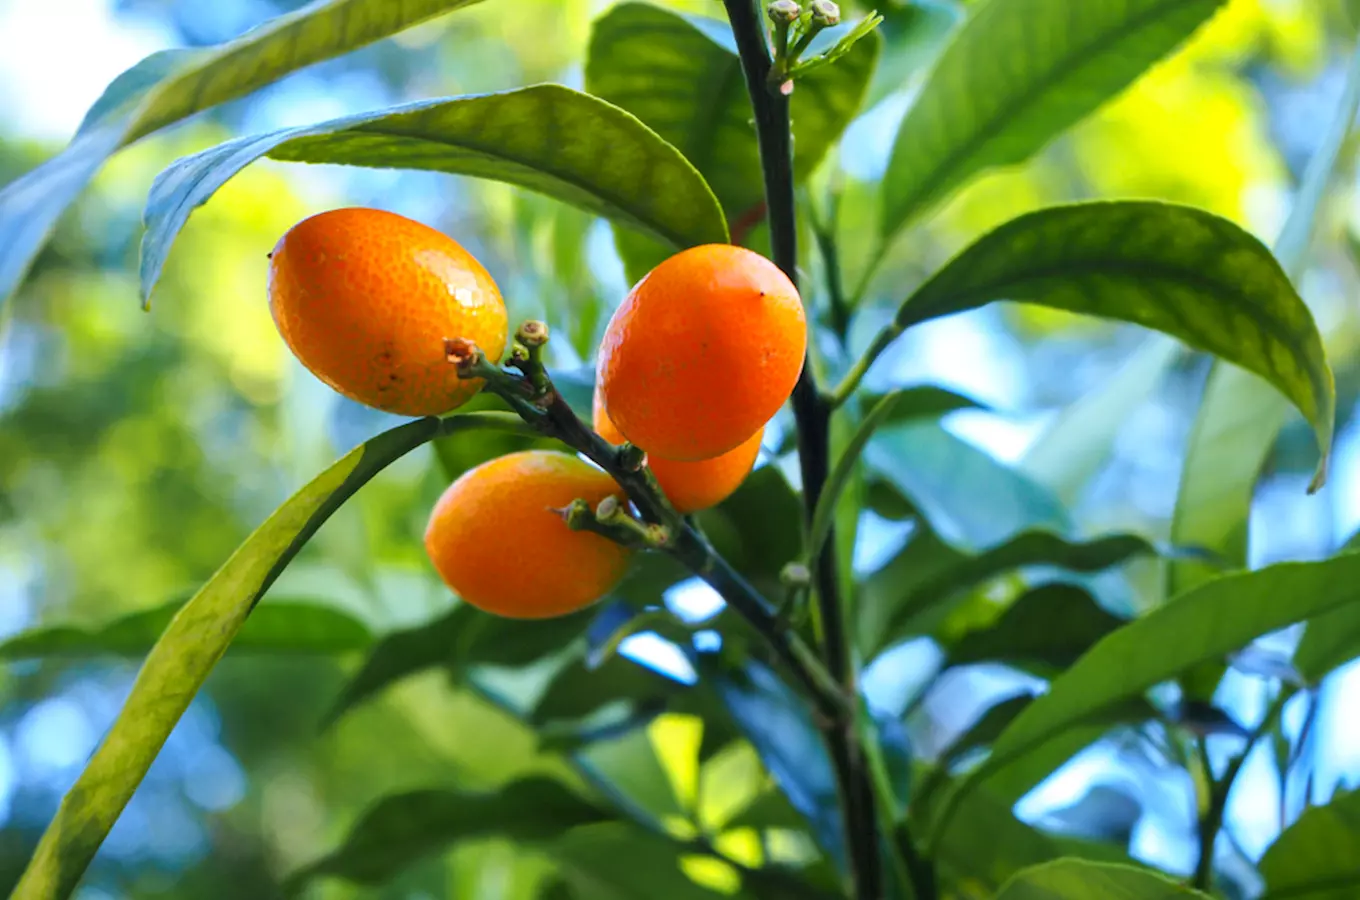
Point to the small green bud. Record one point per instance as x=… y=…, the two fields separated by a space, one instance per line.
x=532 y=333
x=795 y=575
x=825 y=14
x=783 y=12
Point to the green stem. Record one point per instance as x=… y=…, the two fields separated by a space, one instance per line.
x=1211 y=820
x=843 y=391
x=774 y=135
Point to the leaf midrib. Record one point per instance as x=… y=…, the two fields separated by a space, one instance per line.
x=995 y=123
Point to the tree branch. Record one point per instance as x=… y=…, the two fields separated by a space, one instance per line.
x=774 y=133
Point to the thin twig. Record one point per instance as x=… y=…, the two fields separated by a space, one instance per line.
x=1211 y=820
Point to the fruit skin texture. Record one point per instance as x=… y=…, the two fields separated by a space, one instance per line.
x=690 y=486
x=702 y=352
x=495 y=540
x=364 y=299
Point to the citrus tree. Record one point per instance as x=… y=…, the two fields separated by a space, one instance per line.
x=578 y=496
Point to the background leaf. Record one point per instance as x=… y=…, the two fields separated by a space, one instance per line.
x=1203 y=625
x=167 y=87
x=1047 y=628
x=614 y=166
x=1175 y=269
x=1071 y=879
x=1238 y=419
x=1318 y=857
x=276 y=626
x=401 y=829
x=185 y=654
x=1015 y=75
x=780 y=727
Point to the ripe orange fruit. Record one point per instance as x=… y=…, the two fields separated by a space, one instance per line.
x=696 y=485
x=702 y=352
x=364 y=299
x=495 y=540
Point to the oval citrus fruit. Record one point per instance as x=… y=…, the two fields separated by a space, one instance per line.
x=695 y=485
x=702 y=352
x=364 y=299
x=496 y=541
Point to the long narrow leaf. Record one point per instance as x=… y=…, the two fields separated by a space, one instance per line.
x=173 y=85
x=192 y=644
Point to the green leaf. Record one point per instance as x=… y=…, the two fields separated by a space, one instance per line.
x=1175 y=269
x=972 y=501
x=1203 y=625
x=277 y=626
x=1318 y=857
x=904 y=597
x=914 y=34
x=681 y=76
x=759 y=528
x=1074 y=879
x=614 y=862
x=463 y=637
x=1238 y=418
x=1329 y=641
x=781 y=729
x=180 y=661
x=1076 y=445
x=1017 y=74
x=551 y=139
x=1048 y=628
x=981 y=733
x=401 y=829
x=169 y=86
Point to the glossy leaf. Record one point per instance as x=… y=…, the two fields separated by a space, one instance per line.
x=781 y=729
x=1175 y=269
x=613 y=165
x=180 y=661
x=681 y=76
x=1203 y=625
x=1017 y=74
x=1074 y=879
x=1239 y=418
x=401 y=829
x=1318 y=857
x=277 y=626
x=1047 y=628
x=169 y=86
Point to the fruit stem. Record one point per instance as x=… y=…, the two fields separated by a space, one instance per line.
x=661 y=527
x=812 y=413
